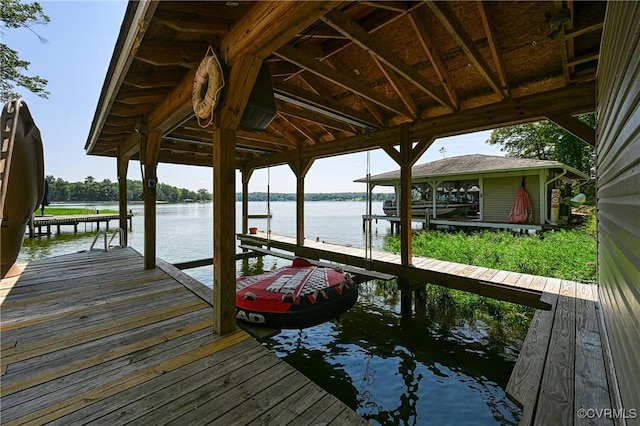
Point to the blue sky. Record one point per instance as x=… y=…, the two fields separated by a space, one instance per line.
x=81 y=37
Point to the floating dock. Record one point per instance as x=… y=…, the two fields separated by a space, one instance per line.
x=93 y=337
x=73 y=220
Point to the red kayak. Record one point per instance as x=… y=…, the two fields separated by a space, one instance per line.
x=296 y=296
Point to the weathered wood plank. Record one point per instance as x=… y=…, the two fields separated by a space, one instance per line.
x=524 y=383
x=289 y=409
x=50 y=345
x=219 y=397
x=55 y=411
x=167 y=396
x=555 y=404
x=97 y=375
x=591 y=387
x=49 y=374
x=269 y=394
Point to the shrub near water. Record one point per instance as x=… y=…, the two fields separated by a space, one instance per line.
x=562 y=254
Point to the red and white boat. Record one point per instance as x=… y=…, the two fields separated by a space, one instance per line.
x=298 y=296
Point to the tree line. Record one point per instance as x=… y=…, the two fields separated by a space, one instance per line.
x=320 y=196
x=93 y=190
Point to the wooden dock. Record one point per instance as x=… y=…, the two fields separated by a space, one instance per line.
x=73 y=220
x=93 y=337
x=563 y=368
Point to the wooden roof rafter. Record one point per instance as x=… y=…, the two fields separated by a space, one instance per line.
x=493 y=45
x=320 y=120
x=436 y=61
x=374 y=47
x=298 y=57
x=448 y=19
x=330 y=107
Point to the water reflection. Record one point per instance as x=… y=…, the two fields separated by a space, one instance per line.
x=431 y=369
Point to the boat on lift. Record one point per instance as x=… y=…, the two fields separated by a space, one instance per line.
x=293 y=297
x=421 y=208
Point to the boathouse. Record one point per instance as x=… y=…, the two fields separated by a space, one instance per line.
x=489 y=184
x=247 y=85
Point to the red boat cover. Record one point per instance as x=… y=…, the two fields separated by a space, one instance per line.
x=278 y=290
x=521 y=211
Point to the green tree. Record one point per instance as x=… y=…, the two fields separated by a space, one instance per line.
x=544 y=140
x=14 y=14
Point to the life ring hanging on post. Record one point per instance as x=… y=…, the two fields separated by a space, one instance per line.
x=207 y=85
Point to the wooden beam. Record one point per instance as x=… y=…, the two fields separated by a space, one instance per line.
x=224 y=264
x=298 y=57
x=406 y=233
x=130 y=147
x=263 y=137
x=300 y=167
x=169 y=53
x=246 y=177
x=268 y=26
x=576 y=127
x=493 y=45
x=372 y=45
x=398 y=87
x=562 y=41
x=175 y=108
x=242 y=77
x=287 y=17
x=434 y=57
x=449 y=20
x=123 y=165
x=584 y=59
x=304 y=114
x=320 y=104
x=574 y=99
x=584 y=30
x=150 y=163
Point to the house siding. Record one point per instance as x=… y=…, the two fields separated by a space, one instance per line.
x=499 y=193
x=618 y=183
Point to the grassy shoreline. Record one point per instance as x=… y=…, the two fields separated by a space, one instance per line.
x=564 y=254
x=69 y=211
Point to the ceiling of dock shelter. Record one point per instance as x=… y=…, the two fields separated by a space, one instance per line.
x=346 y=75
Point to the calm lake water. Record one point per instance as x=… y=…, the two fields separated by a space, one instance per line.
x=436 y=368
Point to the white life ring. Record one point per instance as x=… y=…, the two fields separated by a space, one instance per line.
x=207 y=84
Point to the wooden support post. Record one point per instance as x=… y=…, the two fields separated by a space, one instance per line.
x=75 y=228
x=151 y=150
x=246 y=176
x=300 y=167
x=58 y=228
x=406 y=297
x=32 y=232
x=405 y=199
x=123 y=165
x=224 y=211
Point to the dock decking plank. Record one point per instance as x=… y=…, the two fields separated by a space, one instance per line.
x=115 y=340
x=240 y=386
x=50 y=345
x=591 y=387
x=166 y=396
x=270 y=395
x=288 y=410
x=55 y=411
x=523 y=386
x=555 y=404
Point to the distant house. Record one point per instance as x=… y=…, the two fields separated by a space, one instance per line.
x=489 y=183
